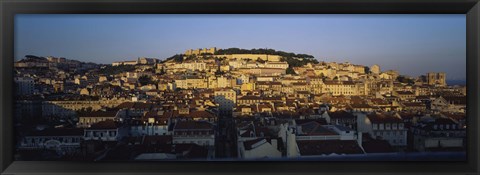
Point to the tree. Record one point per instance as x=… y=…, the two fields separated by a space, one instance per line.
x=260 y=60
x=262 y=51
x=144 y=80
x=112 y=70
x=177 y=58
x=162 y=71
x=404 y=79
x=290 y=71
x=367 y=69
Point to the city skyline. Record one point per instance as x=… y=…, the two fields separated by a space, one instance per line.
x=391 y=41
x=223 y=103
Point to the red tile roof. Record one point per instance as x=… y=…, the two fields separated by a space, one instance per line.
x=414 y=104
x=107 y=124
x=383 y=118
x=360 y=105
x=97 y=114
x=457 y=100
x=198 y=114
x=341 y=114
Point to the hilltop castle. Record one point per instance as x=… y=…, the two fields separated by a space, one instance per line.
x=212 y=50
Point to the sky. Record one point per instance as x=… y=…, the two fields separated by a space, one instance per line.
x=411 y=44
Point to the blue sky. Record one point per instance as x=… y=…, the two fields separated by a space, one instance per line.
x=412 y=44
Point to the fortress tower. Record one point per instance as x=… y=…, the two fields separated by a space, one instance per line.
x=434 y=78
x=211 y=50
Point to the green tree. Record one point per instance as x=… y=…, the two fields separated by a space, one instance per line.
x=144 y=80
x=177 y=58
x=290 y=71
x=112 y=70
x=163 y=71
x=404 y=79
x=367 y=69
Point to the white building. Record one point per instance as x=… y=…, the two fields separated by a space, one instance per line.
x=197 y=132
x=388 y=127
x=86 y=119
x=276 y=64
x=60 y=140
x=108 y=130
x=154 y=125
x=199 y=66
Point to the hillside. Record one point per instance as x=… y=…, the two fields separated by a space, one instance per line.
x=294 y=60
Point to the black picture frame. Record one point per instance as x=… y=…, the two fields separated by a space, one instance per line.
x=9 y=8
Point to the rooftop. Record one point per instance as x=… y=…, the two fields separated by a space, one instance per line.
x=97 y=114
x=383 y=118
x=193 y=125
x=341 y=115
x=107 y=124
